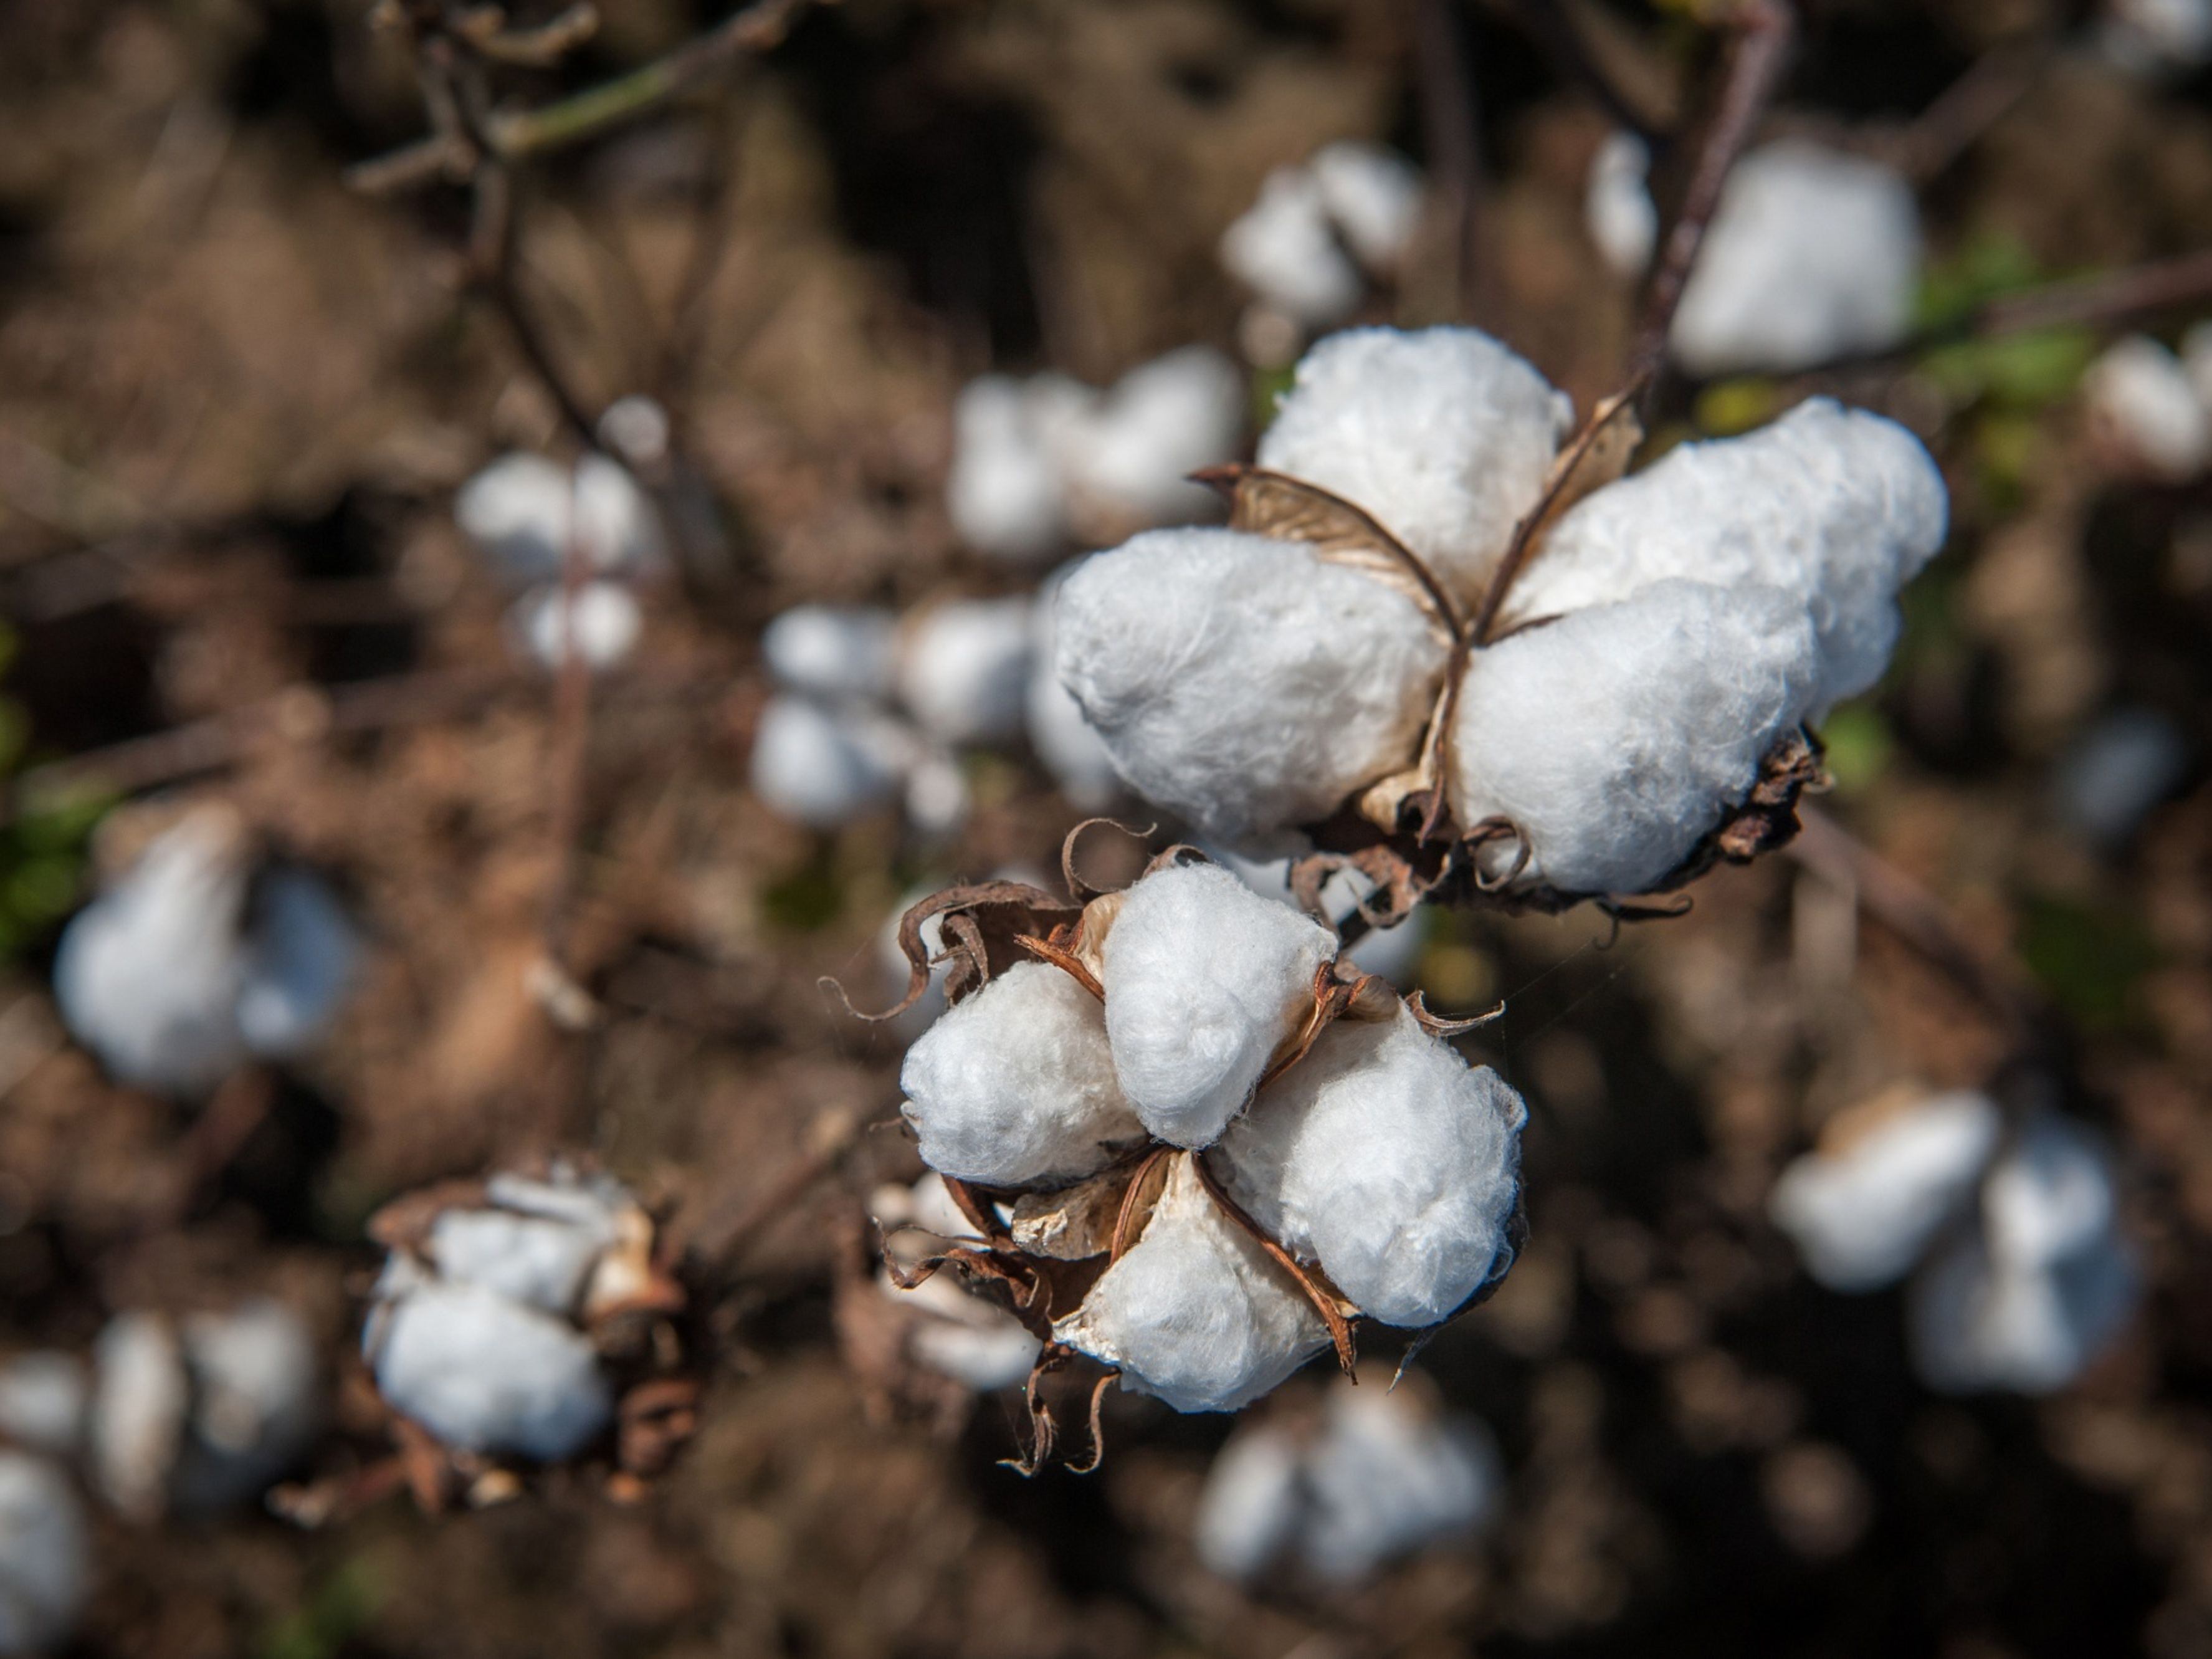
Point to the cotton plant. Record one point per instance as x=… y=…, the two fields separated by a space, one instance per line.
x=1812 y=254
x=1042 y=462
x=202 y=955
x=1197 y=1147
x=1466 y=662
x=2020 y=1272
x=45 y=1555
x=1318 y=238
x=1332 y=1495
x=2151 y=407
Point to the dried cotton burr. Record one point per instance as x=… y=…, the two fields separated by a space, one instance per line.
x=952 y=1331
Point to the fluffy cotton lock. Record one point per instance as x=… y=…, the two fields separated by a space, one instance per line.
x=1616 y=738
x=1836 y=508
x=1240 y=681
x=1075 y=755
x=1862 y=1207
x=1133 y=453
x=1387 y=1159
x=1309 y=242
x=1617 y=206
x=1204 y=980
x=601 y=621
x=832 y=652
x=1006 y=492
x=823 y=766
x=963 y=669
x=45 y=1555
x=1195 y=1313
x=2150 y=407
x=1014 y=1086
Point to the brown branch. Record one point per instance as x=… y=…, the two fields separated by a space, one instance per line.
x=1970 y=105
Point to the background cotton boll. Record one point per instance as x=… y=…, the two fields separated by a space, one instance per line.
x=935 y=797
x=1622 y=219
x=302 y=952
x=1161 y=423
x=1441 y=433
x=1241 y=682
x=487 y=1374
x=42 y=1399
x=832 y=652
x=1813 y=254
x=1015 y=1084
x=1837 y=508
x=1204 y=979
x=2147 y=37
x=1285 y=249
x=2050 y=1194
x=517 y=510
x=255 y=1402
x=1251 y=1503
x=1978 y=1323
x=615 y=519
x=925 y=1205
x=2148 y=407
x=141 y=1400
x=45 y=1555
x=1005 y=493
x=604 y=620
x=1387 y=1477
x=1862 y=1212
x=636 y=428
x=2116 y=771
x=1373 y=195
x=962 y=1336
x=1617 y=737
x=964 y=670
x=539 y=1260
x=825 y=767
x=1195 y=1313
x=1385 y=1158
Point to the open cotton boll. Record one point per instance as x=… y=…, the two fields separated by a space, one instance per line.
x=1618 y=210
x=2116 y=771
x=832 y=652
x=1076 y=756
x=1441 y=433
x=604 y=620
x=1617 y=737
x=1387 y=1477
x=1285 y=249
x=540 y=1261
x=148 y=974
x=303 y=951
x=1195 y=1313
x=614 y=518
x=1977 y=1323
x=1388 y=1159
x=1813 y=254
x=255 y=1402
x=823 y=766
x=962 y=1336
x=1241 y=682
x=1014 y=1086
x=1005 y=493
x=2050 y=1196
x=1391 y=953
x=1204 y=981
x=44 y=1396
x=1162 y=422
x=487 y=1374
x=45 y=1555
x=517 y=510
x=1862 y=1214
x=1374 y=195
x=1251 y=1503
x=964 y=670
x=2150 y=408
x=1837 y=508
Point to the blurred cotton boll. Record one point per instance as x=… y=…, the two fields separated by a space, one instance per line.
x=1622 y=219
x=825 y=767
x=2126 y=764
x=831 y=651
x=1075 y=755
x=45 y=1555
x=603 y=620
x=44 y=1396
x=2148 y=406
x=303 y=952
x=964 y=670
x=2156 y=37
x=1132 y=455
x=517 y=511
x=1373 y=195
x=1006 y=492
x=962 y=1336
x=1284 y=248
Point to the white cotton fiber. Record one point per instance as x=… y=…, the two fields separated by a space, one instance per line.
x=1861 y=1215
x=1285 y=249
x=1617 y=738
x=1161 y=421
x=301 y=953
x=517 y=511
x=1195 y=1313
x=615 y=519
x=1204 y=980
x=1388 y=1159
x=2150 y=408
x=1812 y=254
x=1006 y=492
x=141 y=1401
x=487 y=1374
x=1252 y=1501
x=148 y=974
x=2050 y=1196
x=1075 y=755
x=936 y=798
x=635 y=428
x=1387 y=1477
x=1241 y=682
x=962 y=1336
x=1837 y=508
x=537 y=1260
x=1373 y=195
x=1618 y=210
x=2152 y=37
x=45 y=1555
x=825 y=766
x=1014 y=1084
x=964 y=670
x=1391 y=953
x=255 y=1402
x=604 y=620
x=1441 y=433
x=44 y=1396
x=831 y=651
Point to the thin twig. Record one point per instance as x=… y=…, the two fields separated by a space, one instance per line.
x=1970 y=106
x=1451 y=122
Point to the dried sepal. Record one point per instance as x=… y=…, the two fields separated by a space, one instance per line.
x=1136 y=1208
x=981 y=922
x=1440 y=1025
x=1076 y=1222
x=1044 y=1427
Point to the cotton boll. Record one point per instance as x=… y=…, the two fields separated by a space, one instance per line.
x=1195 y=1313
x=1441 y=433
x=2116 y=771
x=1161 y=423
x=825 y=767
x=302 y=952
x=615 y=519
x=2152 y=37
x=255 y=1405
x=141 y=1402
x=936 y=798
x=2050 y=1196
x=45 y=1555
x=604 y=620
x=2146 y=401
x=964 y=670
x=635 y=428
x=1617 y=206
x=539 y=1260
x=1388 y=1477
x=962 y=1336
x=1005 y=493
x=1241 y=682
x=1837 y=508
x=1382 y=1155
x=1812 y=254
x=148 y=975
x=1075 y=755
x=1284 y=248
x=1204 y=981
x=1014 y=1086
x=43 y=1401
x=1251 y=1503
x=517 y=511
x=1978 y=1323
x=487 y=1374
x=1374 y=195
x=832 y=652
x=1616 y=738
x=1861 y=1214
